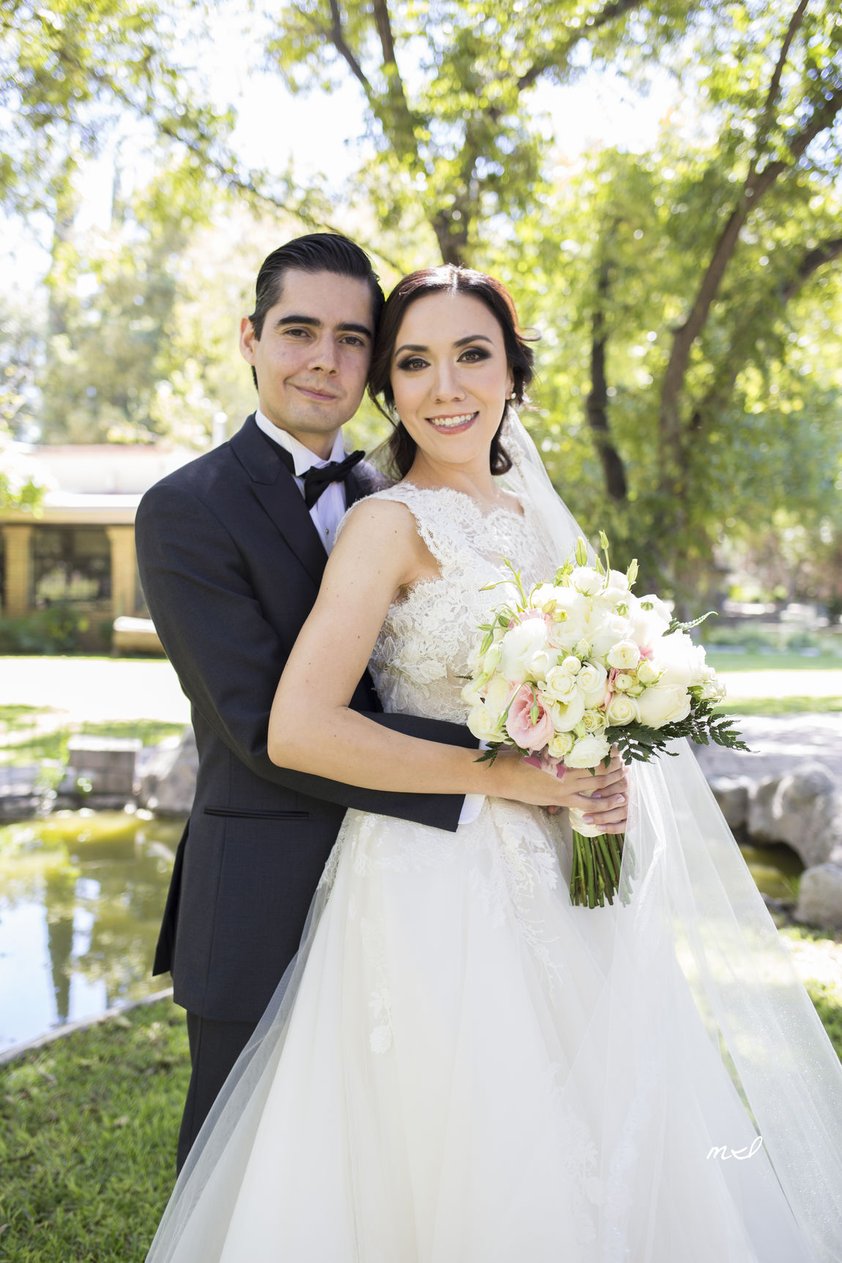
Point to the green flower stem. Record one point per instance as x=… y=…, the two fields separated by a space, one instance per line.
x=597 y=868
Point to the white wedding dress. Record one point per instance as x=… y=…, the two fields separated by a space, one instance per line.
x=461 y=1067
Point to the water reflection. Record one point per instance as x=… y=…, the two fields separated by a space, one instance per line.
x=81 y=896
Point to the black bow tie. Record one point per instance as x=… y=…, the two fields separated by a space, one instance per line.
x=318 y=477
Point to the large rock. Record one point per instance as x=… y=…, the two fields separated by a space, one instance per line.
x=820 y=896
x=802 y=808
x=732 y=794
x=168 y=780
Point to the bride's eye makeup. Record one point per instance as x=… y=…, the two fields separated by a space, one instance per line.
x=471 y=355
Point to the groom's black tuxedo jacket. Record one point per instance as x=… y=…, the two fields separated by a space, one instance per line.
x=230 y=563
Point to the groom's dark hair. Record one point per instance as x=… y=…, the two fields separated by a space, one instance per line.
x=317 y=252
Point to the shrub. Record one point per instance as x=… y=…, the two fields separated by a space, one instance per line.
x=57 y=629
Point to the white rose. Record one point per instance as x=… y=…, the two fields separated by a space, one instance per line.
x=713 y=690
x=680 y=661
x=560 y=686
x=566 y=715
x=571 y=665
x=625 y=655
x=592 y=721
x=622 y=710
x=607 y=631
x=520 y=647
x=483 y=723
x=561 y=744
x=586 y=580
x=591 y=682
x=647 y=672
x=663 y=704
x=623 y=682
x=588 y=752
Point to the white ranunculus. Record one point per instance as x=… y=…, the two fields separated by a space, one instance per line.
x=560 y=686
x=588 y=752
x=591 y=682
x=647 y=672
x=520 y=648
x=663 y=704
x=561 y=744
x=625 y=655
x=622 y=709
x=566 y=715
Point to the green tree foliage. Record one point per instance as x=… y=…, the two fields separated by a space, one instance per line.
x=677 y=291
x=448 y=86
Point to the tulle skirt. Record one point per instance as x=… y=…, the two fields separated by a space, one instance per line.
x=461 y=1067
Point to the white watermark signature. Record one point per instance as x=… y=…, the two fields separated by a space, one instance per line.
x=724 y=1152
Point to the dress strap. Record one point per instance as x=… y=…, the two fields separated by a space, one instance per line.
x=443 y=518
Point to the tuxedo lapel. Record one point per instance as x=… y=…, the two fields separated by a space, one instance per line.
x=274 y=486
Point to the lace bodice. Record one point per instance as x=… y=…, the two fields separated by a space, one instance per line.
x=422 y=654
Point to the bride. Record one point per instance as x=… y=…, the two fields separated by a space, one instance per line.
x=459 y=1066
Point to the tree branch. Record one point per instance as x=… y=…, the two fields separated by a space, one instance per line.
x=766 y=116
x=336 y=35
x=756 y=184
x=723 y=386
x=596 y=405
x=232 y=179
x=814 y=259
x=557 y=51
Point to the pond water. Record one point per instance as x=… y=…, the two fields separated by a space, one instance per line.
x=81 y=896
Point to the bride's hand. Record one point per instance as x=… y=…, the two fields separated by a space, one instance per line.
x=601 y=796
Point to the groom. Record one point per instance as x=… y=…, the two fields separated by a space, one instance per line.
x=231 y=549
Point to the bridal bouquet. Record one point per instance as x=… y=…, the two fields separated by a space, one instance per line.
x=576 y=666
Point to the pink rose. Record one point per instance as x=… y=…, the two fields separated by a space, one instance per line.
x=529 y=723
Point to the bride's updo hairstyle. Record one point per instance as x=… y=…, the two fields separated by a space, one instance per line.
x=400 y=449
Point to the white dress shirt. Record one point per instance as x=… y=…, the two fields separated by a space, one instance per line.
x=328 y=510
x=327 y=513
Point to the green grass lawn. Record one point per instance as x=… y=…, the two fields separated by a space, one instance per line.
x=771 y=660
x=30 y=734
x=774 y=707
x=88 y=1128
